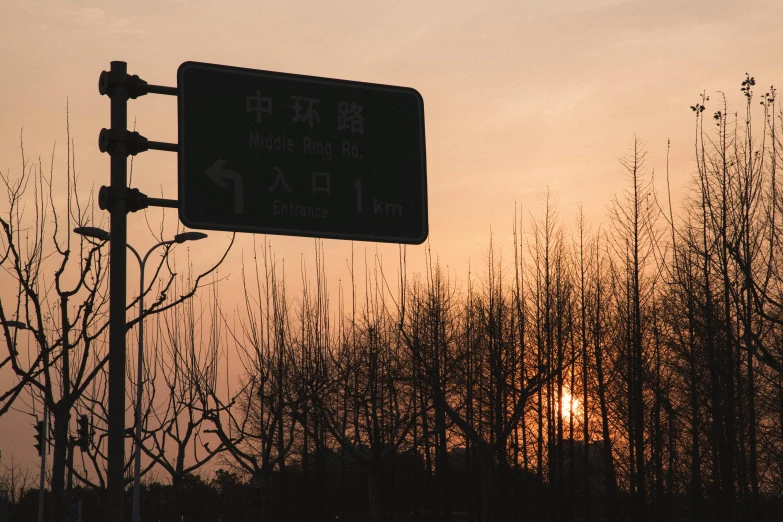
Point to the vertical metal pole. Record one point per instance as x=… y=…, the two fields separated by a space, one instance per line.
x=42 y=480
x=69 y=487
x=135 y=516
x=117 y=277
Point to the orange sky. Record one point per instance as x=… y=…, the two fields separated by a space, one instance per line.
x=519 y=95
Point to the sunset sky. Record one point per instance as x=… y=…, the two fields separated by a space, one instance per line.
x=519 y=96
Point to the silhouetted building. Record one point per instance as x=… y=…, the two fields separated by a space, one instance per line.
x=575 y=449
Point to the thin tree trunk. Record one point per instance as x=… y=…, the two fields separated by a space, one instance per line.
x=610 y=479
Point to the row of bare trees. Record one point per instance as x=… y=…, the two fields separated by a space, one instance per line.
x=630 y=371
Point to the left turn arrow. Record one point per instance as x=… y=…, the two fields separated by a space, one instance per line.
x=219 y=175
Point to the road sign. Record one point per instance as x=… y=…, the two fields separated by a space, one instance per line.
x=278 y=153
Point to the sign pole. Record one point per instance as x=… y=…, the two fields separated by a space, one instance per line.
x=118 y=92
x=119 y=199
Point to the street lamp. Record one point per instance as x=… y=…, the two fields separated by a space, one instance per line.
x=93 y=232
x=102 y=235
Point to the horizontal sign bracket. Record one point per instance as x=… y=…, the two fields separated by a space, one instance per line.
x=134 y=142
x=135 y=200
x=160 y=89
x=159 y=202
x=134 y=86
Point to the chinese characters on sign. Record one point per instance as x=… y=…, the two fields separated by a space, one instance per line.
x=302 y=155
x=349 y=115
x=258 y=104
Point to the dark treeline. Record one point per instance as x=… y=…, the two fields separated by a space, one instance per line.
x=632 y=371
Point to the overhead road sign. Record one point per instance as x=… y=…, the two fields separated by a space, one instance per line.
x=277 y=153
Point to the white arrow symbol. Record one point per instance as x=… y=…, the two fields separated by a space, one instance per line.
x=218 y=174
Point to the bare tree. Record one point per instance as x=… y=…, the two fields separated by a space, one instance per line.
x=366 y=401
x=187 y=342
x=257 y=424
x=633 y=218
x=15 y=480
x=60 y=299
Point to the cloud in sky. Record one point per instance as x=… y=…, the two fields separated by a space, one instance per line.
x=75 y=16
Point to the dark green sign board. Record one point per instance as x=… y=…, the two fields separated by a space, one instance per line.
x=278 y=153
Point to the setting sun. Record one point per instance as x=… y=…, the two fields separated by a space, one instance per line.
x=569 y=406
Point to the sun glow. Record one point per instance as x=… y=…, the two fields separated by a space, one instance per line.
x=569 y=406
